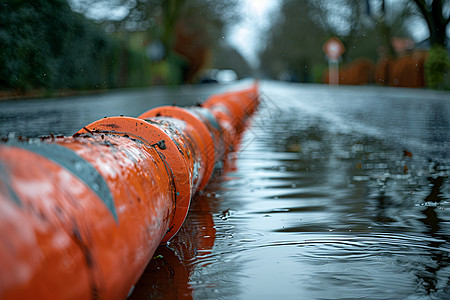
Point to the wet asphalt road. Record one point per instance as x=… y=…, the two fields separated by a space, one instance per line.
x=336 y=193
x=35 y=117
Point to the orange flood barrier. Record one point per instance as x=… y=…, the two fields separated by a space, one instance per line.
x=81 y=216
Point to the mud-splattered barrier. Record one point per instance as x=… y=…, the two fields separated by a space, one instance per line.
x=81 y=216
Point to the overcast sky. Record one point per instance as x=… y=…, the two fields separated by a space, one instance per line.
x=247 y=36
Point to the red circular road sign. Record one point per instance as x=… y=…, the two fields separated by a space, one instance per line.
x=333 y=48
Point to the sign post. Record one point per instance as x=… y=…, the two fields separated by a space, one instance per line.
x=333 y=49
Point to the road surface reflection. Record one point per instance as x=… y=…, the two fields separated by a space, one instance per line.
x=338 y=192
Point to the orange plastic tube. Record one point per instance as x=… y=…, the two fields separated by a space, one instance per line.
x=81 y=216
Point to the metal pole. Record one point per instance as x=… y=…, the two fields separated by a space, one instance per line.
x=333 y=67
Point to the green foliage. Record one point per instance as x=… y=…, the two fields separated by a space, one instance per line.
x=437 y=67
x=43 y=44
x=318 y=71
x=140 y=76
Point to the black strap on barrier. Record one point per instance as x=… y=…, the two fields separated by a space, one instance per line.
x=75 y=164
x=4 y=177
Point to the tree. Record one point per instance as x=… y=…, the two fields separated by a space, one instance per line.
x=44 y=44
x=363 y=26
x=390 y=21
x=437 y=22
x=341 y=18
x=294 y=44
x=186 y=30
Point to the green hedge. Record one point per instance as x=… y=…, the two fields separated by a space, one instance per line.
x=43 y=44
x=437 y=67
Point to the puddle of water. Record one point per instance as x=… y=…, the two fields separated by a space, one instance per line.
x=336 y=194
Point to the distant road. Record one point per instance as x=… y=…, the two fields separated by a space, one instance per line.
x=409 y=116
x=35 y=117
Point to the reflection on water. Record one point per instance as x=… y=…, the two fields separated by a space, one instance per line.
x=337 y=193
x=340 y=193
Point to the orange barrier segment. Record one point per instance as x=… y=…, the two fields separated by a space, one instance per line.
x=195 y=129
x=81 y=216
x=240 y=105
x=232 y=110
